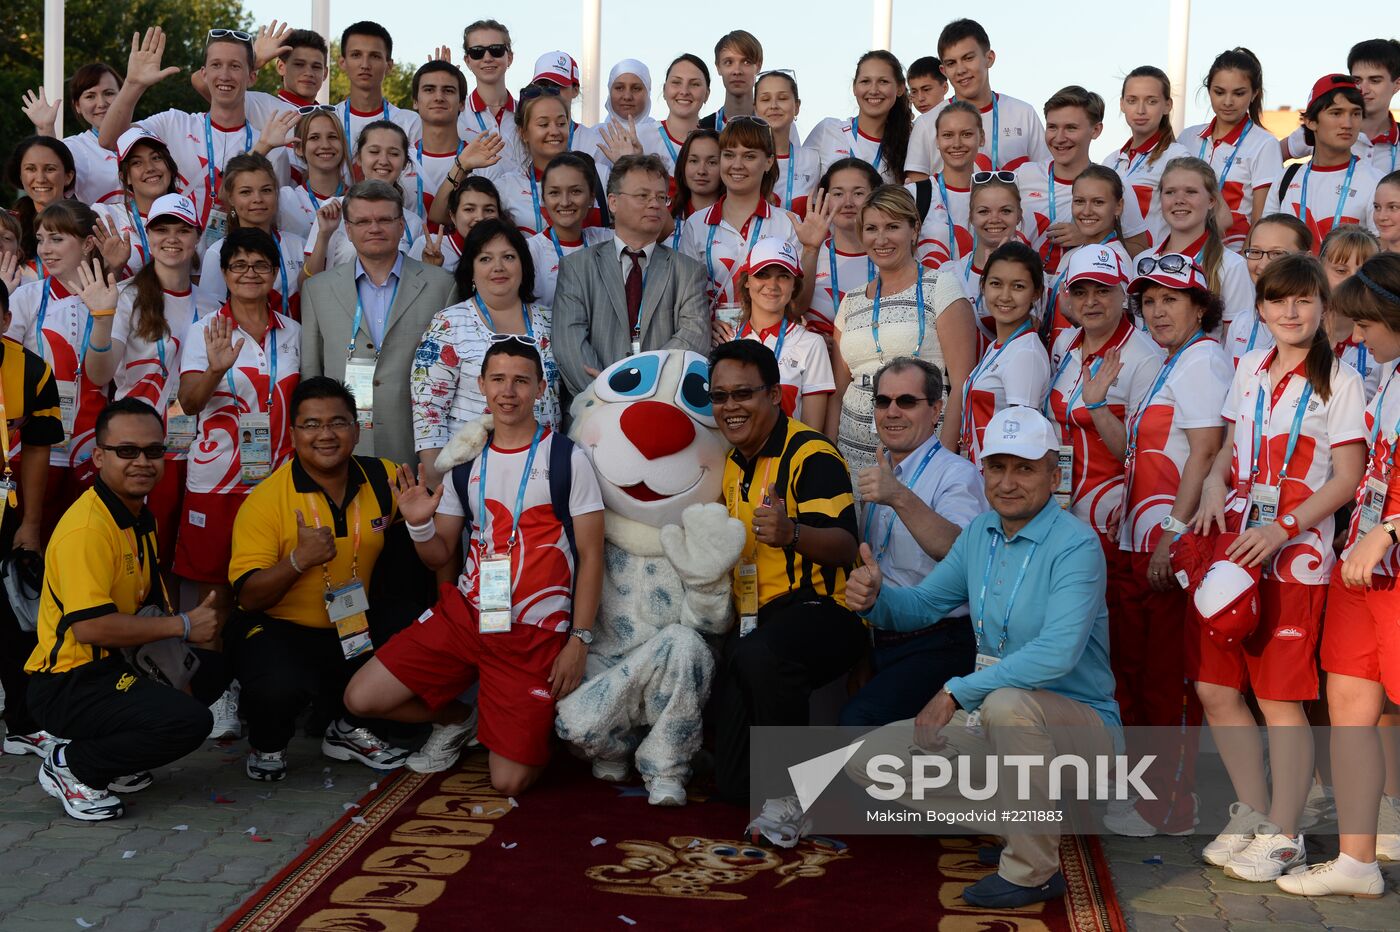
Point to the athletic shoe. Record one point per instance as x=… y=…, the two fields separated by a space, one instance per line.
x=1239 y=832
x=665 y=791
x=781 y=822
x=996 y=892
x=1326 y=880
x=1318 y=809
x=443 y=747
x=346 y=742
x=132 y=782
x=267 y=766
x=1388 y=829
x=225 y=712
x=1269 y=856
x=79 y=800
x=39 y=743
x=1129 y=823
x=611 y=771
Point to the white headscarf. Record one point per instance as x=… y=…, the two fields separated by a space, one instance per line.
x=630 y=66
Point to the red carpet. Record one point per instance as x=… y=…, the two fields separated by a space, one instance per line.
x=446 y=851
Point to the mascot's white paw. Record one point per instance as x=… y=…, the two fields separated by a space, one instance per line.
x=706 y=547
x=466 y=445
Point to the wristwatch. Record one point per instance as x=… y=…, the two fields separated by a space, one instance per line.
x=583 y=634
x=1290 y=524
x=949 y=693
x=1389 y=528
x=1175 y=526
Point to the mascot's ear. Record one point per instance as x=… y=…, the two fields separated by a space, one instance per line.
x=466 y=445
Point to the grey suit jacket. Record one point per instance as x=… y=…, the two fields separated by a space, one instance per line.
x=590 y=310
x=328 y=311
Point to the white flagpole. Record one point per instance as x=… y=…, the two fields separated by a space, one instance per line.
x=590 y=53
x=53 y=57
x=881 y=32
x=1178 y=38
x=321 y=23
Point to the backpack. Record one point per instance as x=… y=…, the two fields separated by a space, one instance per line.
x=923 y=197
x=1288 y=174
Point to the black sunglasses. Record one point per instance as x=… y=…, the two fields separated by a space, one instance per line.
x=1173 y=262
x=740 y=395
x=905 y=402
x=496 y=50
x=531 y=91
x=129 y=451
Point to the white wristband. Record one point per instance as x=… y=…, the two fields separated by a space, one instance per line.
x=422 y=533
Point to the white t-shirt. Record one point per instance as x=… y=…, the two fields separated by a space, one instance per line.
x=835 y=139
x=945 y=234
x=296 y=209
x=119 y=214
x=656 y=140
x=521 y=193
x=1013 y=130
x=1383 y=152
x=1014 y=373
x=804 y=364
x=96 y=168
x=796 y=185
x=352 y=121
x=546 y=257
x=1382 y=420
x=1245 y=334
x=1142 y=204
x=429 y=172
x=1315 y=196
x=478 y=118
x=1190 y=396
x=1236 y=287
x=1359 y=358
x=340 y=250
x=1307 y=558
x=151 y=370
x=710 y=240
x=452 y=246
x=286 y=280
x=1096 y=491
x=215 y=464
x=542 y=565
x=852 y=271
x=1245 y=160
x=1043 y=203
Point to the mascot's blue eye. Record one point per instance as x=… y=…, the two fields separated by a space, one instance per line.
x=694 y=392
x=753 y=853
x=725 y=851
x=631 y=379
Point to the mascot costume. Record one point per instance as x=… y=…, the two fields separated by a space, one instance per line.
x=647 y=427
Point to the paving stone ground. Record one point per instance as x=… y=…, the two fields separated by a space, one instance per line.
x=181 y=860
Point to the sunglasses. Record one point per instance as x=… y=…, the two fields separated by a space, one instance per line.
x=315 y=108
x=517 y=337
x=740 y=395
x=531 y=91
x=905 y=402
x=495 y=50
x=1173 y=263
x=229 y=34
x=129 y=451
x=1003 y=175
x=784 y=71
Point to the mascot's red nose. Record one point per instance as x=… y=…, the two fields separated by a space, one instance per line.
x=657 y=429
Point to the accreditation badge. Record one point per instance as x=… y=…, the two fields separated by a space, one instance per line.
x=179 y=429
x=1372 y=505
x=347 y=608
x=359 y=378
x=67 y=410
x=493 y=595
x=254 y=447
x=1263 y=506
x=1064 y=459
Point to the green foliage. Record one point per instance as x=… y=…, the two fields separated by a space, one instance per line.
x=398 y=81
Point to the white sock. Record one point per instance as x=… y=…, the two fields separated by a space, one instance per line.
x=1349 y=866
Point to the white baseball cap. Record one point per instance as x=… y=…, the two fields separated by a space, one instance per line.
x=173 y=205
x=558 y=68
x=774 y=250
x=1019 y=431
x=131 y=137
x=1095 y=263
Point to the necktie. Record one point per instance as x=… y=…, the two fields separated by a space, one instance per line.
x=634 y=287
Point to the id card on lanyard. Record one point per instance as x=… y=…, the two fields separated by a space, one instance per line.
x=1342 y=194
x=1064 y=454
x=986 y=657
x=67 y=390
x=722 y=290
x=494 y=570
x=216 y=218
x=347 y=605
x=180 y=428
x=1377 y=488
x=255 y=427
x=7 y=484
x=746 y=572
x=1264 y=498
x=359 y=373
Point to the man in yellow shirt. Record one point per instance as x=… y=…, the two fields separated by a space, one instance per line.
x=103 y=592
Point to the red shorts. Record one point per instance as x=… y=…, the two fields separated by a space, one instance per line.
x=1362 y=635
x=443 y=653
x=164 y=502
x=1279 y=660
x=205 y=545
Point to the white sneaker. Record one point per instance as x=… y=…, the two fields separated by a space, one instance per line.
x=1319 y=808
x=343 y=741
x=79 y=800
x=1326 y=880
x=1388 y=830
x=665 y=791
x=1270 y=855
x=611 y=771
x=781 y=821
x=443 y=747
x=40 y=743
x=1239 y=832
x=225 y=712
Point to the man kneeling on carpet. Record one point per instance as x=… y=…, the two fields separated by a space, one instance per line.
x=103 y=597
x=304 y=548
x=1034 y=578
x=520 y=617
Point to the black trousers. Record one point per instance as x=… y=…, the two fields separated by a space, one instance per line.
x=15 y=647
x=910 y=670
x=767 y=678
x=119 y=722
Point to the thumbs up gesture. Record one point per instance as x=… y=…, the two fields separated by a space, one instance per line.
x=771 y=524
x=863 y=583
x=315 y=545
x=878 y=483
x=204 y=620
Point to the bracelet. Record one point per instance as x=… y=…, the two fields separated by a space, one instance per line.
x=795 y=529
x=292 y=559
x=422 y=533
x=100 y=349
x=106 y=312
x=184 y=616
x=1096 y=406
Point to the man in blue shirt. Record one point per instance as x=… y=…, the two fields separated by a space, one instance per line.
x=1033 y=577
x=917 y=499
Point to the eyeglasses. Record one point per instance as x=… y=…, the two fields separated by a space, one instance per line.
x=1270 y=254
x=129 y=451
x=495 y=50
x=365 y=223
x=337 y=425
x=517 y=337
x=1173 y=263
x=242 y=268
x=229 y=34
x=905 y=402
x=315 y=108
x=1003 y=175
x=643 y=198
x=740 y=395
x=531 y=91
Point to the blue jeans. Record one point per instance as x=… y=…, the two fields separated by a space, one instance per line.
x=909 y=672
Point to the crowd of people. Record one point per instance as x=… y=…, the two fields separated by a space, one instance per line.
x=1014 y=415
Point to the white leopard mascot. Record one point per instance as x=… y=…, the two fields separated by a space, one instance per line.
x=646 y=424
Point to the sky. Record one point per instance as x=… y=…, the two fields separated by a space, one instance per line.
x=1040 y=47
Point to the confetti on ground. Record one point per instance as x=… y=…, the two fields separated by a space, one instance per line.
x=128 y=855
x=694 y=843
x=328 y=784
x=220 y=798
x=359 y=820
x=374 y=785
x=179 y=828
x=1155 y=859
x=84 y=923
x=513 y=803
x=477 y=810
x=496 y=810
x=259 y=838
x=599 y=840
x=250 y=830
x=630 y=922
x=508 y=846
x=348 y=806
x=264 y=796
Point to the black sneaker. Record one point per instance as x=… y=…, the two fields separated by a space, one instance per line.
x=343 y=742
x=132 y=782
x=267 y=766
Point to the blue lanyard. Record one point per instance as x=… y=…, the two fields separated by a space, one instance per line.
x=837 y=295
x=1229 y=162
x=39 y=328
x=875 y=313
x=719 y=120
x=986 y=362
x=1257 y=429
x=913 y=481
x=282 y=268
x=948 y=215
x=783 y=326
x=212 y=167
x=1157 y=387
x=359 y=315
x=1253 y=333
x=676 y=236
x=1135 y=163
x=1341 y=198
x=316 y=201
x=665 y=141
x=1361 y=365
x=1376 y=426
x=791 y=173
x=383 y=105
x=879 y=146
x=422 y=207
x=554 y=238
x=140 y=225
x=1050 y=193
x=1094 y=367
x=519 y=494
x=738 y=260
x=486 y=315
x=271 y=366
x=979 y=615
x=535 y=197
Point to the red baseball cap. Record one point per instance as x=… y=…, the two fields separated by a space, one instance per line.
x=1328 y=83
x=1191 y=555
x=1227 y=598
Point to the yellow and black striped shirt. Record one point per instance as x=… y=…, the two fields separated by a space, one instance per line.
x=30 y=397
x=815 y=486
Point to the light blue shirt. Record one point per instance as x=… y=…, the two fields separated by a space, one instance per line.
x=1056 y=636
x=951 y=486
x=377 y=299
